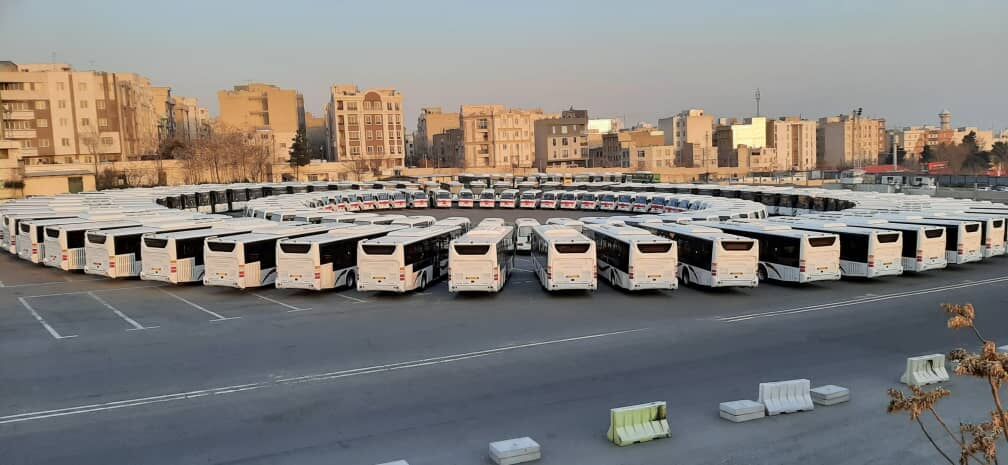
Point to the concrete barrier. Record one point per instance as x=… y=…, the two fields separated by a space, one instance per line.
x=397 y=462
x=512 y=451
x=786 y=396
x=738 y=411
x=638 y=423
x=830 y=395
x=925 y=369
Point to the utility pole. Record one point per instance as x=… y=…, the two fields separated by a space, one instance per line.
x=757 y=102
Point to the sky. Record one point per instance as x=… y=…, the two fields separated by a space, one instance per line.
x=639 y=61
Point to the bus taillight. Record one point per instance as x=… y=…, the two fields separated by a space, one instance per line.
x=631 y=272
x=871 y=261
x=801 y=266
x=402 y=273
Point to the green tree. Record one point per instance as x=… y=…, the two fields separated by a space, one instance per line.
x=928 y=155
x=969 y=143
x=299 y=155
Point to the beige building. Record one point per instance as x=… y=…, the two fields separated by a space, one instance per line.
x=316 y=136
x=267 y=110
x=619 y=149
x=730 y=133
x=794 y=141
x=432 y=121
x=446 y=149
x=604 y=125
x=689 y=127
x=849 y=141
x=494 y=136
x=191 y=121
x=366 y=126
x=652 y=158
x=562 y=142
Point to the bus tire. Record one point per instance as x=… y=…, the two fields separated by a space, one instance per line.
x=351 y=281
x=685 y=279
x=612 y=277
x=423 y=281
x=761 y=273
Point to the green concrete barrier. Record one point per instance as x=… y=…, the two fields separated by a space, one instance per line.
x=638 y=423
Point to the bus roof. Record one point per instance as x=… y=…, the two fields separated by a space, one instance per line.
x=485 y=235
x=94 y=225
x=410 y=235
x=559 y=233
x=763 y=228
x=624 y=233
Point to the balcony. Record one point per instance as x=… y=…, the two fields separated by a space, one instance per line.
x=28 y=151
x=19 y=114
x=19 y=133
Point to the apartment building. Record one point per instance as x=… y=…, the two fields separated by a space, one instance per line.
x=267 y=110
x=619 y=149
x=190 y=121
x=652 y=158
x=730 y=133
x=495 y=136
x=689 y=127
x=316 y=137
x=794 y=141
x=562 y=142
x=446 y=149
x=605 y=125
x=849 y=141
x=366 y=126
x=51 y=110
x=432 y=121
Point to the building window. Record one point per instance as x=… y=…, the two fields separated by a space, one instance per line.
x=367 y=119
x=107 y=141
x=352 y=106
x=42 y=123
x=100 y=104
x=43 y=143
x=83 y=104
x=352 y=119
x=65 y=142
x=339 y=104
x=103 y=122
x=481 y=123
x=388 y=106
x=377 y=119
x=369 y=134
x=60 y=86
x=61 y=104
x=81 y=86
x=85 y=122
x=41 y=105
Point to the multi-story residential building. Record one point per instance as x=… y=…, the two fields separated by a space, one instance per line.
x=190 y=121
x=604 y=125
x=794 y=142
x=366 y=126
x=652 y=158
x=618 y=148
x=913 y=139
x=849 y=141
x=410 y=142
x=562 y=142
x=688 y=127
x=164 y=107
x=731 y=133
x=316 y=136
x=264 y=109
x=53 y=111
x=446 y=150
x=432 y=121
x=495 y=136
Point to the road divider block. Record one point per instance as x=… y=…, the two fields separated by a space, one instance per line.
x=830 y=395
x=512 y=451
x=738 y=411
x=397 y=462
x=638 y=423
x=925 y=369
x=786 y=396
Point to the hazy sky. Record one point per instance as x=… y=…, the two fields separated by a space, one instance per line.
x=638 y=60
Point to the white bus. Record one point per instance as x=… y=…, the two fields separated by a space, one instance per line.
x=642 y=202
x=588 y=200
x=117 y=253
x=568 y=222
x=625 y=201
x=487 y=199
x=523 y=233
x=31 y=236
x=550 y=200
x=529 y=198
x=442 y=199
x=383 y=199
x=419 y=199
x=569 y=200
x=465 y=198
x=710 y=257
x=962 y=238
x=417 y=221
x=12 y=222
x=788 y=254
x=460 y=222
x=404 y=260
x=992 y=230
x=347 y=217
x=607 y=201
x=177 y=256
x=64 y=244
x=249 y=260
x=923 y=246
x=633 y=258
x=398 y=199
x=323 y=261
x=377 y=219
x=864 y=252
x=481 y=260
x=508 y=198
x=563 y=259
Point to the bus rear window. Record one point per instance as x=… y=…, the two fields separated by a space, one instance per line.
x=997 y=223
x=737 y=245
x=52 y=232
x=96 y=238
x=933 y=233
x=572 y=248
x=654 y=248
x=295 y=248
x=154 y=242
x=471 y=249
x=972 y=227
x=25 y=228
x=822 y=241
x=221 y=246
x=443 y=195
x=888 y=238
x=372 y=249
x=465 y=195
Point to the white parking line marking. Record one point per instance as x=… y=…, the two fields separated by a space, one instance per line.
x=320 y=377
x=360 y=301
x=858 y=301
x=127 y=288
x=136 y=326
x=41 y=320
x=291 y=307
x=217 y=316
x=48 y=283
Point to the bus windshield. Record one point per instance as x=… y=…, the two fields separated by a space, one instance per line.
x=372 y=249
x=572 y=248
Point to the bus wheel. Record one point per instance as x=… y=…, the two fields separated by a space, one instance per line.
x=685 y=279
x=351 y=281
x=761 y=274
x=423 y=281
x=612 y=277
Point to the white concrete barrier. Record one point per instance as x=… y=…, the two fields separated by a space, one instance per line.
x=925 y=369
x=830 y=395
x=786 y=396
x=512 y=451
x=397 y=462
x=738 y=411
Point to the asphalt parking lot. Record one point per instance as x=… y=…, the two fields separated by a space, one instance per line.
x=132 y=371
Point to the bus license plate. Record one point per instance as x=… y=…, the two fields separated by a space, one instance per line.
x=379 y=278
x=823 y=268
x=472 y=278
x=573 y=276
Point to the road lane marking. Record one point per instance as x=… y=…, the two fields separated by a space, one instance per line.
x=276 y=382
x=127 y=288
x=132 y=322
x=291 y=307
x=217 y=316
x=858 y=301
x=52 y=331
x=360 y=301
x=47 y=283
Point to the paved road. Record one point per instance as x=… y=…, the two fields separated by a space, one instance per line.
x=138 y=372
